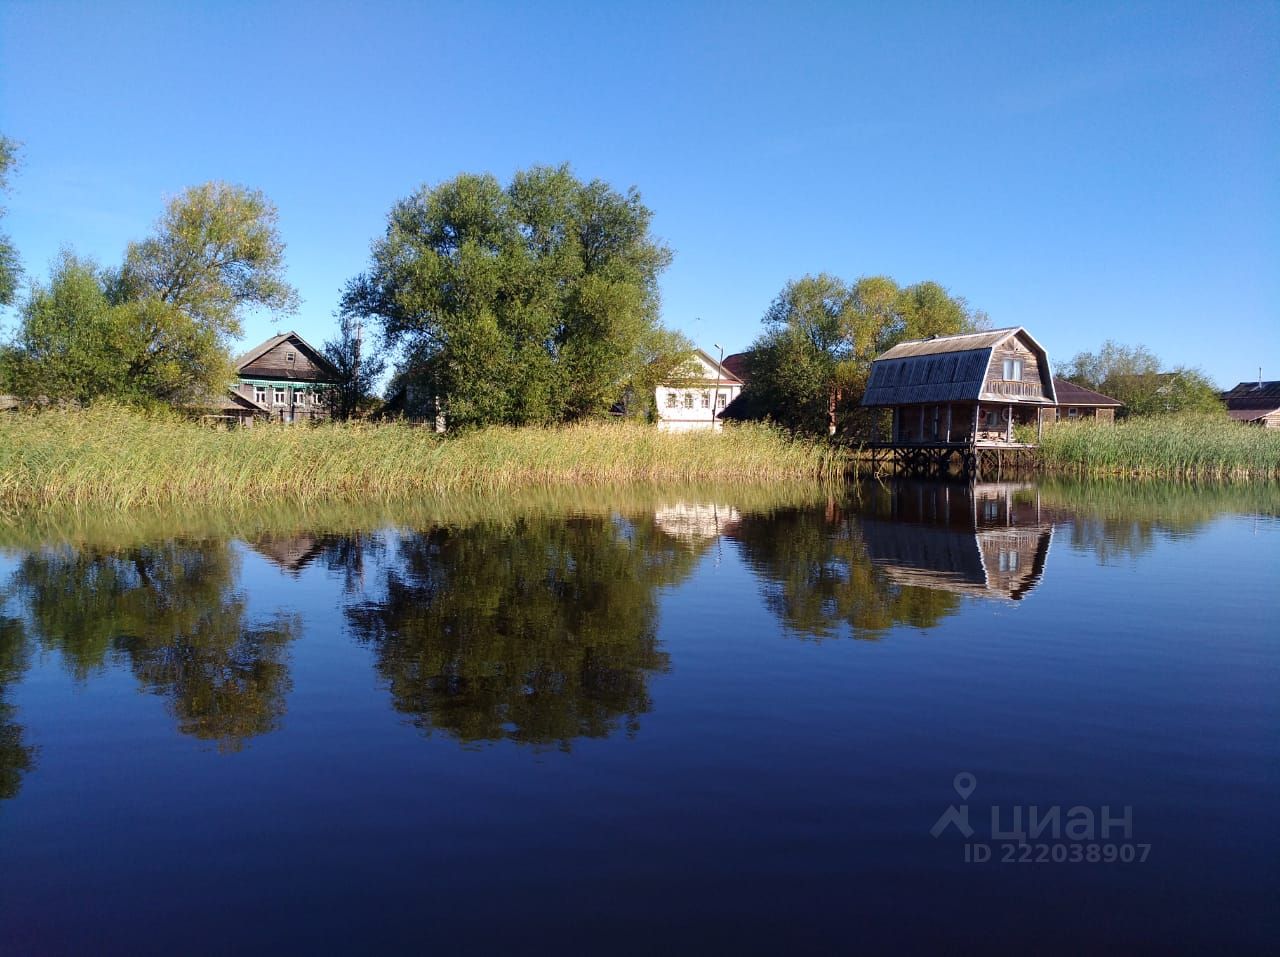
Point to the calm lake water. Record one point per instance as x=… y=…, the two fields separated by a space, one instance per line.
x=907 y=717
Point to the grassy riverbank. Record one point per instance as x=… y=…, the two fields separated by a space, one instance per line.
x=1188 y=446
x=112 y=457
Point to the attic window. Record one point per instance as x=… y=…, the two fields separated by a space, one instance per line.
x=1013 y=370
x=290 y=356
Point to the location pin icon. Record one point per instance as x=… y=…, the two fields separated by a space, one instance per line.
x=964 y=784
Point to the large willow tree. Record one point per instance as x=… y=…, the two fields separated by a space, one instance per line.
x=810 y=366
x=534 y=302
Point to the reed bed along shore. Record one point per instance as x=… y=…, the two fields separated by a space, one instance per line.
x=1207 y=446
x=113 y=457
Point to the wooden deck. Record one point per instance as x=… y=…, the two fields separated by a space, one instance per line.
x=976 y=461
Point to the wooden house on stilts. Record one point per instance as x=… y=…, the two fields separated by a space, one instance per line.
x=955 y=397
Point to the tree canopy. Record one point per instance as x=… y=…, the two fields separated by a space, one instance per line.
x=159 y=328
x=810 y=366
x=1132 y=375
x=534 y=302
x=10 y=269
x=359 y=369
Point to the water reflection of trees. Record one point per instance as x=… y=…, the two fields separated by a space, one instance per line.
x=817 y=579
x=1124 y=520
x=173 y=614
x=539 y=632
x=16 y=756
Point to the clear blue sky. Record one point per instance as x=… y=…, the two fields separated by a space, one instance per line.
x=1086 y=170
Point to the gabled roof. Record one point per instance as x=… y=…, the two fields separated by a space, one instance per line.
x=950 y=369
x=726 y=377
x=1071 y=394
x=1254 y=395
x=303 y=346
x=229 y=401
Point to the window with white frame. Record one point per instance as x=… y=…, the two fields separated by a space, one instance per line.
x=1013 y=370
x=688 y=400
x=279 y=395
x=720 y=400
x=260 y=394
x=290 y=357
x=706 y=400
x=673 y=400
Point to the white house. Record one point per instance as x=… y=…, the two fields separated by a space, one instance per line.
x=697 y=398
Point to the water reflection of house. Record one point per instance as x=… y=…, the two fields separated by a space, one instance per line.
x=988 y=540
x=696 y=520
x=291 y=552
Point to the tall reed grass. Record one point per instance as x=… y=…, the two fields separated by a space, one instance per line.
x=108 y=456
x=1175 y=446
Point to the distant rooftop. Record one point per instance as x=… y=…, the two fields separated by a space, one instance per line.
x=1071 y=394
x=1254 y=395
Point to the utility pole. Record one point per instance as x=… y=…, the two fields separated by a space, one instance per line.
x=353 y=388
x=715 y=396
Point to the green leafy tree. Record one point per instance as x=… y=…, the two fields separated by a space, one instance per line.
x=1131 y=374
x=10 y=268
x=1111 y=364
x=810 y=366
x=359 y=369
x=531 y=303
x=159 y=329
x=73 y=342
x=216 y=251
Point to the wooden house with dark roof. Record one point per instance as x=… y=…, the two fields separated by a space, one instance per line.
x=1257 y=403
x=1076 y=403
x=962 y=391
x=286 y=377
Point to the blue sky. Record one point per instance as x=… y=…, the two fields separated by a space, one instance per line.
x=1086 y=170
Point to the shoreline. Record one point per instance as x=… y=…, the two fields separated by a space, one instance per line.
x=115 y=458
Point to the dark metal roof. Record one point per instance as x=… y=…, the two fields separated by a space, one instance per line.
x=936 y=345
x=948 y=369
x=1071 y=394
x=724 y=374
x=1254 y=395
x=736 y=365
